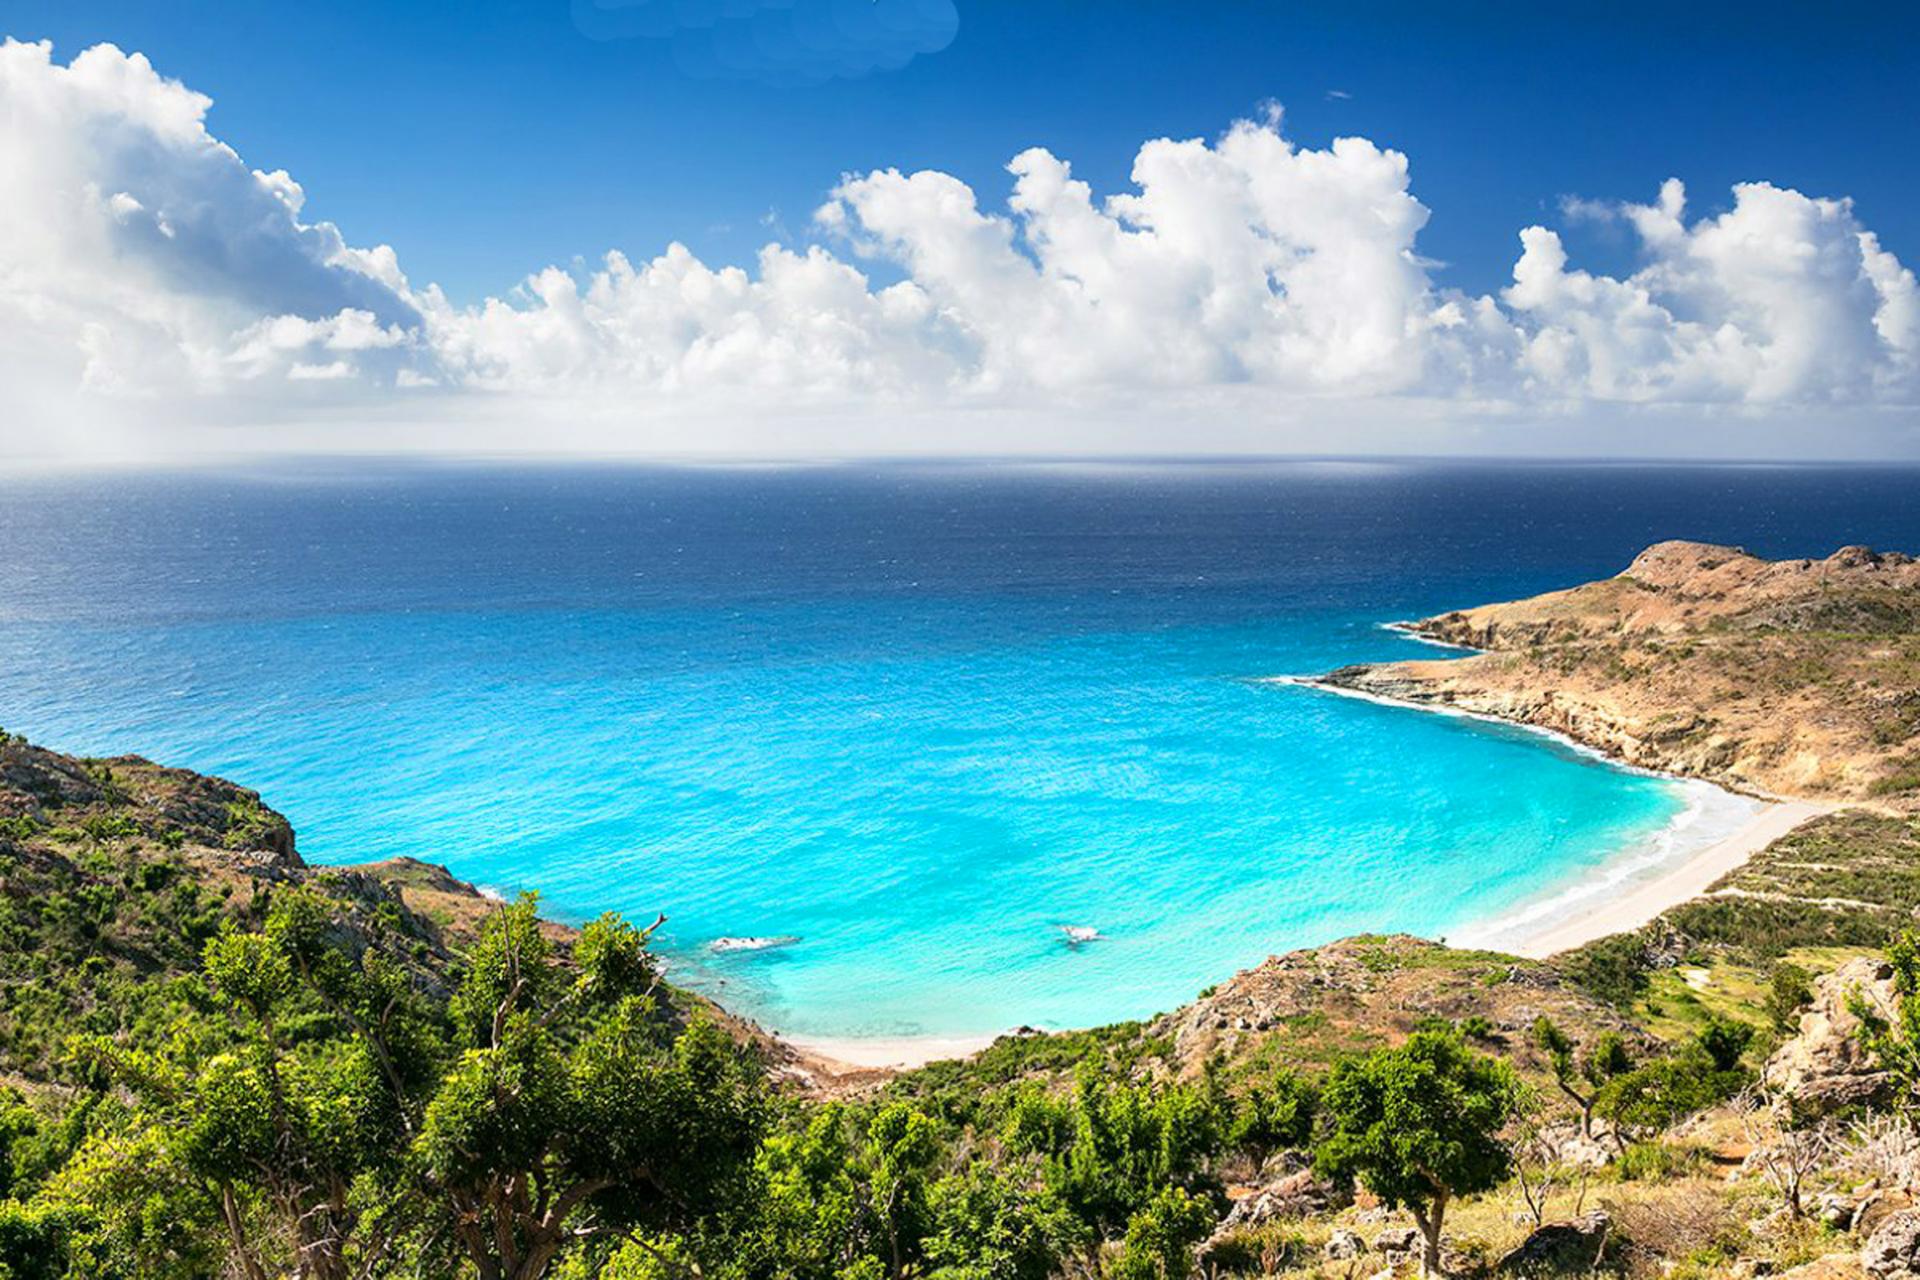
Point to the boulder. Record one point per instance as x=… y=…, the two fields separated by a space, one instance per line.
x=1824 y=1067
x=1878 y=1205
x=1893 y=1250
x=1569 y=1147
x=1397 y=1242
x=1834 y=1209
x=1571 y=1247
x=1834 y=1266
x=1344 y=1244
x=1295 y=1195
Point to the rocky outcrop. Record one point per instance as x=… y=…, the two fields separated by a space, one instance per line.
x=1344 y=1245
x=1559 y=1248
x=121 y=796
x=1789 y=678
x=1824 y=1067
x=1297 y=1195
x=1371 y=990
x=1396 y=1243
x=1892 y=1252
x=1294 y=1195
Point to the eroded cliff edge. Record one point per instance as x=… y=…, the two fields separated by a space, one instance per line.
x=1785 y=678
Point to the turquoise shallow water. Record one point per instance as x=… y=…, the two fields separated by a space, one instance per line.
x=918 y=719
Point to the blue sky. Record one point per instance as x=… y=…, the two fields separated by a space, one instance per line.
x=1050 y=226
x=482 y=139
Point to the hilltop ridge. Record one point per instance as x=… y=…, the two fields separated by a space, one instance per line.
x=1784 y=678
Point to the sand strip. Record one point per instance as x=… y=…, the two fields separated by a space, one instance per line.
x=891 y=1051
x=1676 y=884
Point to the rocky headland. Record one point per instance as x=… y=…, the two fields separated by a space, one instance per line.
x=1783 y=679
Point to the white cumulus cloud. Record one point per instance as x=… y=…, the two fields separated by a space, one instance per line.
x=144 y=263
x=1781 y=299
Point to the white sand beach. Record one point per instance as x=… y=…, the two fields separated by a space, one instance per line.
x=1640 y=903
x=890 y=1051
x=1581 y=922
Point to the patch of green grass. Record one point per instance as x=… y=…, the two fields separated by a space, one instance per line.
x=1904 y=778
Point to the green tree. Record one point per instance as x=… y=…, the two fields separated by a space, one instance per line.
x=902 y=1145
x=809 y=1222
x=1892 y=1036
x=1582 y=1077
x=995 y=1224
x=844 y=1191
x=1724 y=1042
x=1789 y=990
x=1613 y=969
x=1419 y=1125
x=1126 y=1142
x=131 y=1210
x=1160 y=1237
x=1664 y=1092
x=1273 y=1115
x=572 y=1108
x=328 y=1115
x=281 y=1124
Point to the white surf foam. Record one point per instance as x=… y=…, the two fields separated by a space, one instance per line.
x=1708 y=815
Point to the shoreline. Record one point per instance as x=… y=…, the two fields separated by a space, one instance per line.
x=1568 y=917
x=847 y=1055
x=1560 y=736
x=1680 y=882
x=1564 y=924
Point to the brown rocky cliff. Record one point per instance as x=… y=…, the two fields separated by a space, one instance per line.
x=1793 y=677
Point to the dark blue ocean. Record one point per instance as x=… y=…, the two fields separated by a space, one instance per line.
x=917 y=717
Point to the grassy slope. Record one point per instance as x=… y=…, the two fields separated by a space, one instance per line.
x=1841 y=886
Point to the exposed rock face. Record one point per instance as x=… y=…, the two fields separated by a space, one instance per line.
x=1569 y=1248
x=1297 y=1195
x=1893 y=1251
x=1824 y=1067
x=1294 y=1195
x=1373 y=990
x=168 y=806
x=1788 y=677
x=1343 y=1245
x=1397 y=1242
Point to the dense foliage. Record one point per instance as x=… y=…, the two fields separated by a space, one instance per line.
x=222 y=1063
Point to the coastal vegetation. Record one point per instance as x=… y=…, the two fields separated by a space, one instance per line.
x=222 y=1062
x=218 y=1061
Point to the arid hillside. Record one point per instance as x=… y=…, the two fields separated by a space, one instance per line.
x=1789 y=678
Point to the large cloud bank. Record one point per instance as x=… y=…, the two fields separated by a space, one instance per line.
x=142 y=262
